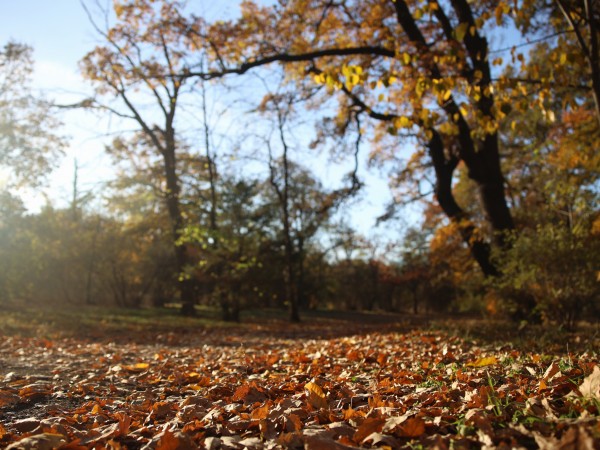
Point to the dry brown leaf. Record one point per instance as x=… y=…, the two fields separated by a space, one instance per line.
x=368 y=427
x=412 y=428
x=175 y=441
x=590 y=387
x=249 y=394
x=381 y=440
x=323 y=443
x=261 y=412
x=293 y=423
x=392 y=423
x=8 y=398
x=44 y=441
x=139 y=367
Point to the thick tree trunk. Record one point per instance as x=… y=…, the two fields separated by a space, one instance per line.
x=444 y=170
x=491 y=190
x=481 y=157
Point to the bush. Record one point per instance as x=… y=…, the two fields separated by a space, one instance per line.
x=556 y=266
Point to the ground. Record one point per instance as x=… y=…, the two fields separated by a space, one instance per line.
x=96 y=379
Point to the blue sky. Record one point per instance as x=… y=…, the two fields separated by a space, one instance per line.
x=60 y=33
x=57 y=29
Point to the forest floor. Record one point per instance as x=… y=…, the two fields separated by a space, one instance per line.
x=98 y=379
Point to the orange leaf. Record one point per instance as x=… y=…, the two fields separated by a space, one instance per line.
x=293 y=423
x=260 y=413
x=8 y=398
x=124 y=423
x=368 y=427
x=248 y=393
x=351 y=413
x=412 y=428
x=168 y=441
x=551 y=371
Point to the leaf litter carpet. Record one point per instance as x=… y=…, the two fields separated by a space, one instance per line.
x=250 y=388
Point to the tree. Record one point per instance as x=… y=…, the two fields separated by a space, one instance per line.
x=416 y=67
x=583 y=16
x=143 y=58
x=304 y=206
x=29 y=144
x=227 y=250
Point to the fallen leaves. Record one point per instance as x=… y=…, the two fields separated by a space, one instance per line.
x=482 y=362
x=316 y=397
x=590 y=388
x=376 y=390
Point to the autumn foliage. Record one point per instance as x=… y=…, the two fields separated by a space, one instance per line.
x=312 y=387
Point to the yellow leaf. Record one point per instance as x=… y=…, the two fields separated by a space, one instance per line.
x=353 y=80
x=139 y=367
x=406 y=58
x=482 y=362
x=403 y=122
x=316 y=397
x=563 y=58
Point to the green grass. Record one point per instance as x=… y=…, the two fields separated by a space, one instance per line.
x=95 y=321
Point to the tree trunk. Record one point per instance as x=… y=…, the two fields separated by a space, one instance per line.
x=186 y=285
x=444 y=170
